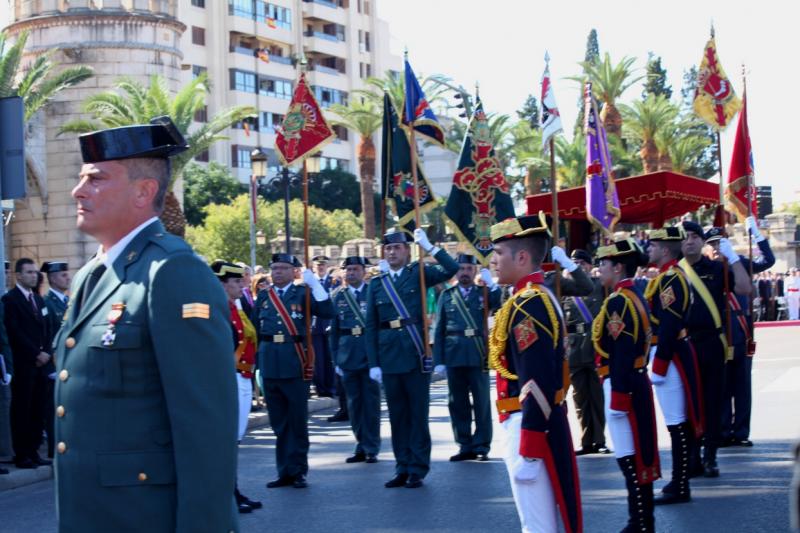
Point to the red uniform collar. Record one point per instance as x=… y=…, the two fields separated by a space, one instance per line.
x=536 y=277
x=668 y=265
x=626 y=283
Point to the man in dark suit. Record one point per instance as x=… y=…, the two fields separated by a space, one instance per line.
x=28 y=332
x=6 y=372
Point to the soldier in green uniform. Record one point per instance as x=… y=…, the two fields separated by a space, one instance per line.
x=349 y=349
x=145 y=393
x=56 y=300
x=284 y=363
x=397 y=356
x=459 y=349
x=587 y=392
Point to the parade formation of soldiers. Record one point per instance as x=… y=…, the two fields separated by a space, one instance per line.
x=147 y=366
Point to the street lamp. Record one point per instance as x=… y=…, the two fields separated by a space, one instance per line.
x=258 y=168
x=261 y=238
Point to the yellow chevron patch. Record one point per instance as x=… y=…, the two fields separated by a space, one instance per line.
x=196 y=310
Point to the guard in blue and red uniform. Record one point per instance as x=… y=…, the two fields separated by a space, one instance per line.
x=526 y=348
x=675 y=372
x=621 y=334
x=737 y=400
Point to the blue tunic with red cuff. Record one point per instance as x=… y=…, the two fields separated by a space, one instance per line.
x=669 y=296
x=621 y=334
x=527 y=350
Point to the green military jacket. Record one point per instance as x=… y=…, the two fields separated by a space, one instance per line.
x=146 y=410
x=392 y=349
x=280 y=360
x=451 y=346
x=348 y=343
x=55 y=311
x=580 y=349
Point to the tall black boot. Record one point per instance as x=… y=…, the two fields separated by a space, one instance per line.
x=710 y=468
x=640 y=499
x=677 y=490
x=695 y=461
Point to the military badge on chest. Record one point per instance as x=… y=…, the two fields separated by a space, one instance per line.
x=113 y=317
x=525 y=334
x=297 y=311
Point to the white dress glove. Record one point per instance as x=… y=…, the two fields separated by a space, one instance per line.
x=560 y=257
x=375 y=374
x=726 y=249
x=383 y=266
x=7 y=380
x=440 y=369
x=317 y=290
x=339 y=372
x=422 y=239
x=525 y=471
x=617 y=414
x=752 y=227
x=486 y=277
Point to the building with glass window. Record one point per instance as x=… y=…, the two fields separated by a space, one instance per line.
x=251 y=50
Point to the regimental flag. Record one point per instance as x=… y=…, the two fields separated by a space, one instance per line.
x=480 y=194
x=397 y=182
x=417 y=112
x=602 y=202
x=741 y=172
x=304 y=130
x=263 y=55
x=551 y=118
x=714 y=99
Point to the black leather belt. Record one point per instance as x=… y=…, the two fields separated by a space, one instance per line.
x=398 y=323
x=580 y=329
x=355 y=332
x=280 y=338
x=469 y=332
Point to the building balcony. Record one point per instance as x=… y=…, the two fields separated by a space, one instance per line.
x=327 y=45
x=324 y=10
x=260 y=29
x=320 y=76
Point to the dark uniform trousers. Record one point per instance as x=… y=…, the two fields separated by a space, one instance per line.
x=461 y=381
x=407 y=388
x=285 y=390
x=587 y=392
x=737 y=401
x=364 y=408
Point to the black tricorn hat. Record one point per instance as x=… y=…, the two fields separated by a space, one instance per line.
x=51 y=267
x=466 y=258
x=160 y=139
x=225 y=270
x=395 y=236
x=356 y=260
x=582 y=255
x=285 y=258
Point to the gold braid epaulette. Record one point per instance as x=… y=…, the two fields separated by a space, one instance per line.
x=597 y=328
x=502 y=324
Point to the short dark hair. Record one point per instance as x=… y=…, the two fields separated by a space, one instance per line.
x=152 y=168
x=21 y=263
x=674 y=248
x=535 y=246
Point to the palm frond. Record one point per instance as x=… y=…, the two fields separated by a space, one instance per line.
x=51 y=85
x=9 y=65
x=79 y=126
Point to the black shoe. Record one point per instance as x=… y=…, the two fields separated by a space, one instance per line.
x=339 y=416
x=283 y=481
x=324 y=395
x=300 y=481
x=464 y=456
x=25 y=463
x=414 y=481
x=41 y=462
x=371 y=458
x=244 y=508
x=251 y=503
x=710 y=469
x=586 y=450
x=668 y=498
x=727 y=442
x=398 y=480
x=483 y=457
x=3 y=471
x=745 y=443
x=356 y=458
x=603 y=449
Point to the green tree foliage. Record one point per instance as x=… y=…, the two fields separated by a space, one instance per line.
x=529 y=111
x=656 y=79
x=705 y=165
x=330 y=189
x=592 y=56
x=202 y=186
x=226 y=232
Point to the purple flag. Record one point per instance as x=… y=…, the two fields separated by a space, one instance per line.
x=602 y=202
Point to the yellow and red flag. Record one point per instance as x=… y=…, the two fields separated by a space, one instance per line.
x=714 y=99
x=304 y=130
x=246 y=127
x=741 y=172
x=263 y=55
x=271 y=23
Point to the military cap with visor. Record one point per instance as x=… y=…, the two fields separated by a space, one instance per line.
x=160 y=139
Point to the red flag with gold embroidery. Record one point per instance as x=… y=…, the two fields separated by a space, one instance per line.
x=304 y=130
x=741 y=173
x=714 y=99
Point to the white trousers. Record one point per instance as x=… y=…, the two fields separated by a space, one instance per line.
x=671 y=396
x=245 y=401
x=536 y=503
x=793 y=300
x=619 y=427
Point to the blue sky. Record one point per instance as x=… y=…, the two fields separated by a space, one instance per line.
x=501 y=43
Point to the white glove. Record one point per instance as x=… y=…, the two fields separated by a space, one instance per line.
x=339 y=371
x=375 y=374
x=525 y=471
x=422 y=239
x=560 y=257
x=383 y=266
x=486 y=276
x=7 y=380
x=752 y=227
x=440 y=369
x=617 y=414
x=726 y=249
x=312 y=281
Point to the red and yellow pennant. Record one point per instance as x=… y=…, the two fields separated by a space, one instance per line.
x=741 y=172
x=304 y=130
x=714 y=99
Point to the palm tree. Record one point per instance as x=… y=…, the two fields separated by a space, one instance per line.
x=395 y=85
x=644 y=121
x=37 y=85
x=571 y=161
x=686 y=150
x=139 y=103
x=500 y=131
x=609 y=81
x=363 y=116
x=525 y=148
